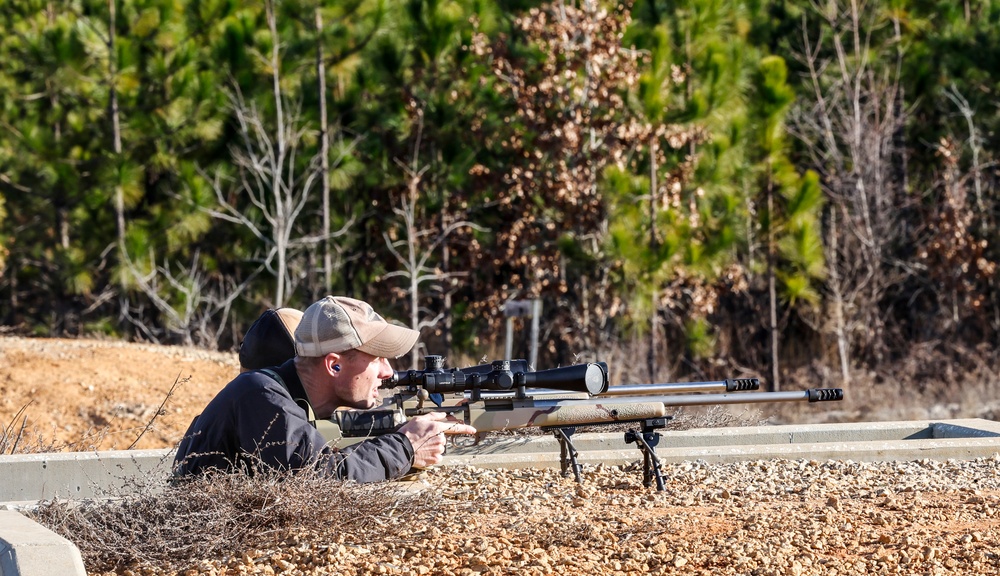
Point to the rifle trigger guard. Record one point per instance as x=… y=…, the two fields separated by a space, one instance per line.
x=465 y=441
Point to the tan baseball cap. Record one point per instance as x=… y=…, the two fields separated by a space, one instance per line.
x=338 y=324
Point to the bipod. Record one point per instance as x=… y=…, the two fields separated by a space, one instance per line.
x=646 y=440
x=567 y=452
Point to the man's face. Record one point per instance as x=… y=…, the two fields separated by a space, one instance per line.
x=360 y=377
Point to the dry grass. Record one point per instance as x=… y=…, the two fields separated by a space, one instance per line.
x=176 y=525
x=932 y=382
x=18 y=437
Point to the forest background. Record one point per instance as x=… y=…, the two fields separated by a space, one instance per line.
x=800 y=190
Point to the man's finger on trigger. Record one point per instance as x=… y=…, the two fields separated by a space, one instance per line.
x=455 y=419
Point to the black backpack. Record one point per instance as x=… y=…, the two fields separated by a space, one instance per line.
x=270 y=340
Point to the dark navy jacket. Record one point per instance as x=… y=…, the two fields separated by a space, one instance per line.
x=256 y=422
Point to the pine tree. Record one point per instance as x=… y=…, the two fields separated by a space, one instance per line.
x=50 y=154
x=697 y=83
x=788 y=204
x=424 y=95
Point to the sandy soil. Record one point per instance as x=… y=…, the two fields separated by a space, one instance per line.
x=92 y=394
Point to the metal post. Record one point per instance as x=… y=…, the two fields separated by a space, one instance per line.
x=508 y=346
x=519 y=309
x=536 y=314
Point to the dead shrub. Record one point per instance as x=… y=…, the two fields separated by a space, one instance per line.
x=221 y=517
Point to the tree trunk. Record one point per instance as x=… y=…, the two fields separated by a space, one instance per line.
x=414 y=307
x=653 y=246
x=447 y=291
x=115 y=124
x=324 y=136
x=281 y=210
x=840 y=328
x=413 y=266
x=771 y=288
x=898 y=110
x=11 y=318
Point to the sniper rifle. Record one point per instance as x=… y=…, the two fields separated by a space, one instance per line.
x=508 y=395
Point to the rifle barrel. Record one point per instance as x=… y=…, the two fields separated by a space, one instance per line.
x=728 y=385
x=811 y=395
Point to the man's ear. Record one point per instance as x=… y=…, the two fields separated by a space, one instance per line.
x=331 y=363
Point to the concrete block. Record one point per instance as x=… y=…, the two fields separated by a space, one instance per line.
x=75 y=476
x=969 y=428
x=78 y=475
x=868 y=442
x=29 y=549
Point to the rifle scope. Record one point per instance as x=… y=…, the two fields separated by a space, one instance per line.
x=501 y=375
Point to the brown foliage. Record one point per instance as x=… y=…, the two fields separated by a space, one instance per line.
x=955 y=259
x=574 y=103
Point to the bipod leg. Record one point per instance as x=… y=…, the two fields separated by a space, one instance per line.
x=568 y=453
x=650 y=463
x=646 y=441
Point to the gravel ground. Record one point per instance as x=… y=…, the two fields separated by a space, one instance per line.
x=776 y=517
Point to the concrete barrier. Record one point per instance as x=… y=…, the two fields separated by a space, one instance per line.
x=78 y=475
x=30 y=478
x=29 y=549
x=862 y=442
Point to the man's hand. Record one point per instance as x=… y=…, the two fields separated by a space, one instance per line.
x=426 y=433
